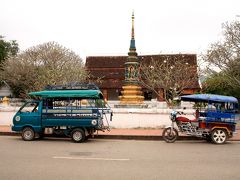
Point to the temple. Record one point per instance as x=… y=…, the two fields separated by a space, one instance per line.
x=119 y=75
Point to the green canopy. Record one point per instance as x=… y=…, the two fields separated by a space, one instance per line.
x=88 y=94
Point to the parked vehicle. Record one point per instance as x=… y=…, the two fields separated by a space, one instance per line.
x=76 y=112
x=215 y=119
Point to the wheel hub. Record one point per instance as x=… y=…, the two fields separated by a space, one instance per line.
x=219 y=136
x=28 y=134
x=77 y=136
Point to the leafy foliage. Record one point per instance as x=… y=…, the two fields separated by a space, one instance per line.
x=42 y=65
x=7 y=49
x=219 y=83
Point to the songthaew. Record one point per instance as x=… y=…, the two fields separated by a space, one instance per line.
x=75 y=111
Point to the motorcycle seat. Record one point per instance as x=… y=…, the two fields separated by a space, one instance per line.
x=184 y=119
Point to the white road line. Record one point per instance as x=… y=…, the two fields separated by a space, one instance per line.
x=86 y=158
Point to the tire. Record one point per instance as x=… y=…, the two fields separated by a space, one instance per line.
x=168 y=136
x=78 y=135
x=28 y=134
x=219 y=136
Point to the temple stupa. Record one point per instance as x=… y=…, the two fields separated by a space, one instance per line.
x=131 y=93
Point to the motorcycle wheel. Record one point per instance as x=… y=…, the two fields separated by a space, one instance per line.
x=170 y=135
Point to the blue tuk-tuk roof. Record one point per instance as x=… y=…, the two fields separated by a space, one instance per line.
x=88 y=94
x=209 y=98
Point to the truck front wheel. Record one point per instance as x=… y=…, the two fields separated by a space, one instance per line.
x=78 y=135
x=28 y=134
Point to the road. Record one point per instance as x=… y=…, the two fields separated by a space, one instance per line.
x=61 y=159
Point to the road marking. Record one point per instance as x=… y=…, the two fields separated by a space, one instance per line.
x=86 y=158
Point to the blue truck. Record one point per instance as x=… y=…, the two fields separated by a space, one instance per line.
x=76 y=113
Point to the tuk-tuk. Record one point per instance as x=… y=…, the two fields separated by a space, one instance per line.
x=76 y=112
x=215 y=119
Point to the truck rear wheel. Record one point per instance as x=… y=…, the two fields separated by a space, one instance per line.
x=78 y=135
x=219 y=136
x=28 y=134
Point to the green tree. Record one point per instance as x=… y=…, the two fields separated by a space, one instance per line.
x=42 y=65
x=7 y=49
x=218 y=83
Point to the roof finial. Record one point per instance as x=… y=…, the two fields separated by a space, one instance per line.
x=133 y=24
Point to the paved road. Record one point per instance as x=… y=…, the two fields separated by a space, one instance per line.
x=115 y=159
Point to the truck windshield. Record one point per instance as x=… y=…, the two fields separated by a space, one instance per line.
x=30 y=107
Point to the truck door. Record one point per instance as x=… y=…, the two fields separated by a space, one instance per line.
x=30 y=115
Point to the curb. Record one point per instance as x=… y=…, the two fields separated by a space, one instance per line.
x=9 y=134
x=142 y=137
x=122 y=137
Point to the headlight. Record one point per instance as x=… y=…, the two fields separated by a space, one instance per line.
x=173 y=116
x=17 y=118
x=94 y=122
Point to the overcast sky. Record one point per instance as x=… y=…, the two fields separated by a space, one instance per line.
x=103 y=27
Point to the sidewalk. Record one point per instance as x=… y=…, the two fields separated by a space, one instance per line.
x=133 y=134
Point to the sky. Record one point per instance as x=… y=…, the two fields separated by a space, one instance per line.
x=103 y=27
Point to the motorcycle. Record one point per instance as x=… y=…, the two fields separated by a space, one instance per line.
x=214 y=125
